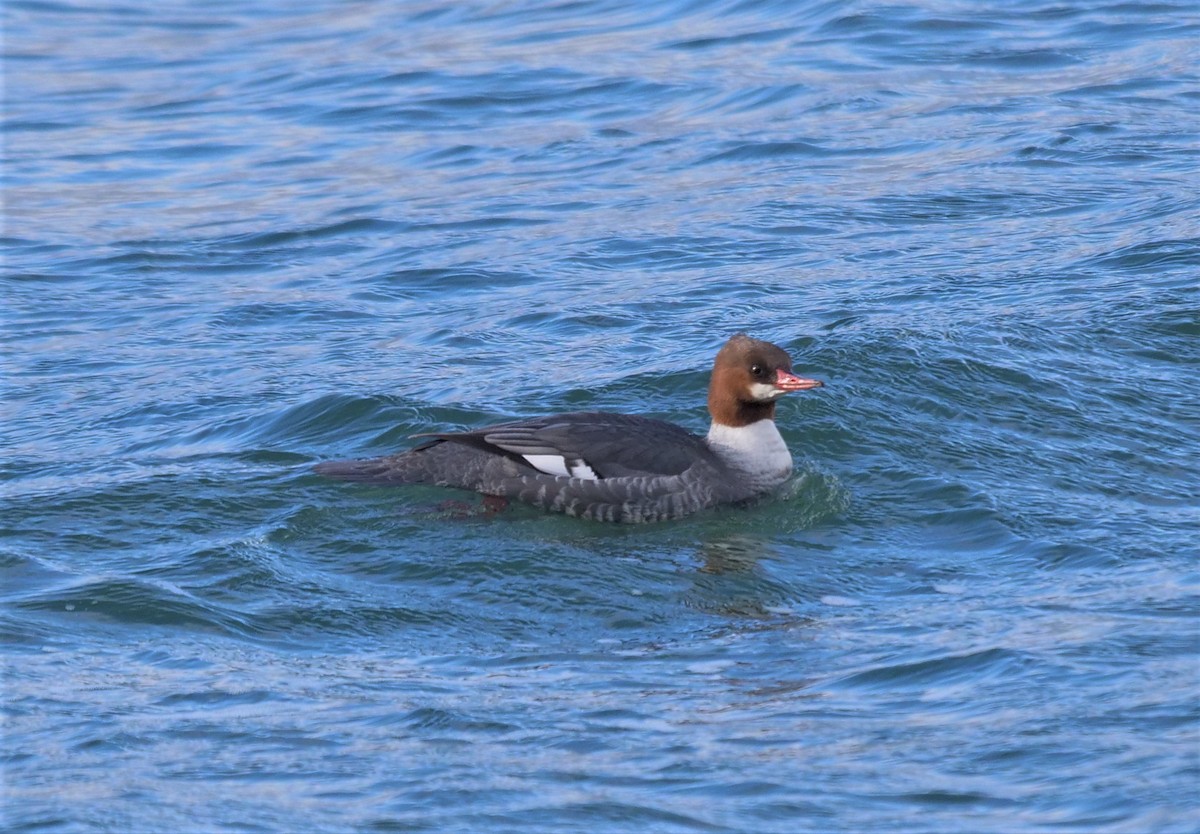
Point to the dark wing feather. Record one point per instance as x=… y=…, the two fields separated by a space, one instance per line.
x=613 y=445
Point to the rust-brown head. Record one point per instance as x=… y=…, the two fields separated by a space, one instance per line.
x=748 y=376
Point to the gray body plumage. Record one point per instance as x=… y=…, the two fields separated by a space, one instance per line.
x=630 y=469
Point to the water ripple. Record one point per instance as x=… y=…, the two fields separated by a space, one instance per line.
x=240 y=239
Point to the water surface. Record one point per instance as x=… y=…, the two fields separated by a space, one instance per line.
x=245 y=237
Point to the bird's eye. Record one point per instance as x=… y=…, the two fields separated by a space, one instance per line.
x=757 y=370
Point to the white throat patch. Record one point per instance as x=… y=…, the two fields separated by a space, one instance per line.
x=764 y=392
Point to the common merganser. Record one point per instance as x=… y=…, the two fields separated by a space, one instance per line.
x=617 y=467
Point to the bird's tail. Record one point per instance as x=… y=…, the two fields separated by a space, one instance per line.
x=370 y=471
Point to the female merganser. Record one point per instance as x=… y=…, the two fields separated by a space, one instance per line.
x=616 y=467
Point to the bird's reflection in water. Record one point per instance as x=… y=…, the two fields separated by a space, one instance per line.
x=734 y=554
x=731 y=583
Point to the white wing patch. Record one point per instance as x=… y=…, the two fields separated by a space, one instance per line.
x=580 y=469
x=558 y=465
x=550 y=464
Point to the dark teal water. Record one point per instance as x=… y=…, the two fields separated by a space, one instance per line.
x=244 y=237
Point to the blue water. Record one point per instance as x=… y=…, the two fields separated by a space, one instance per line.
x=244 y=237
